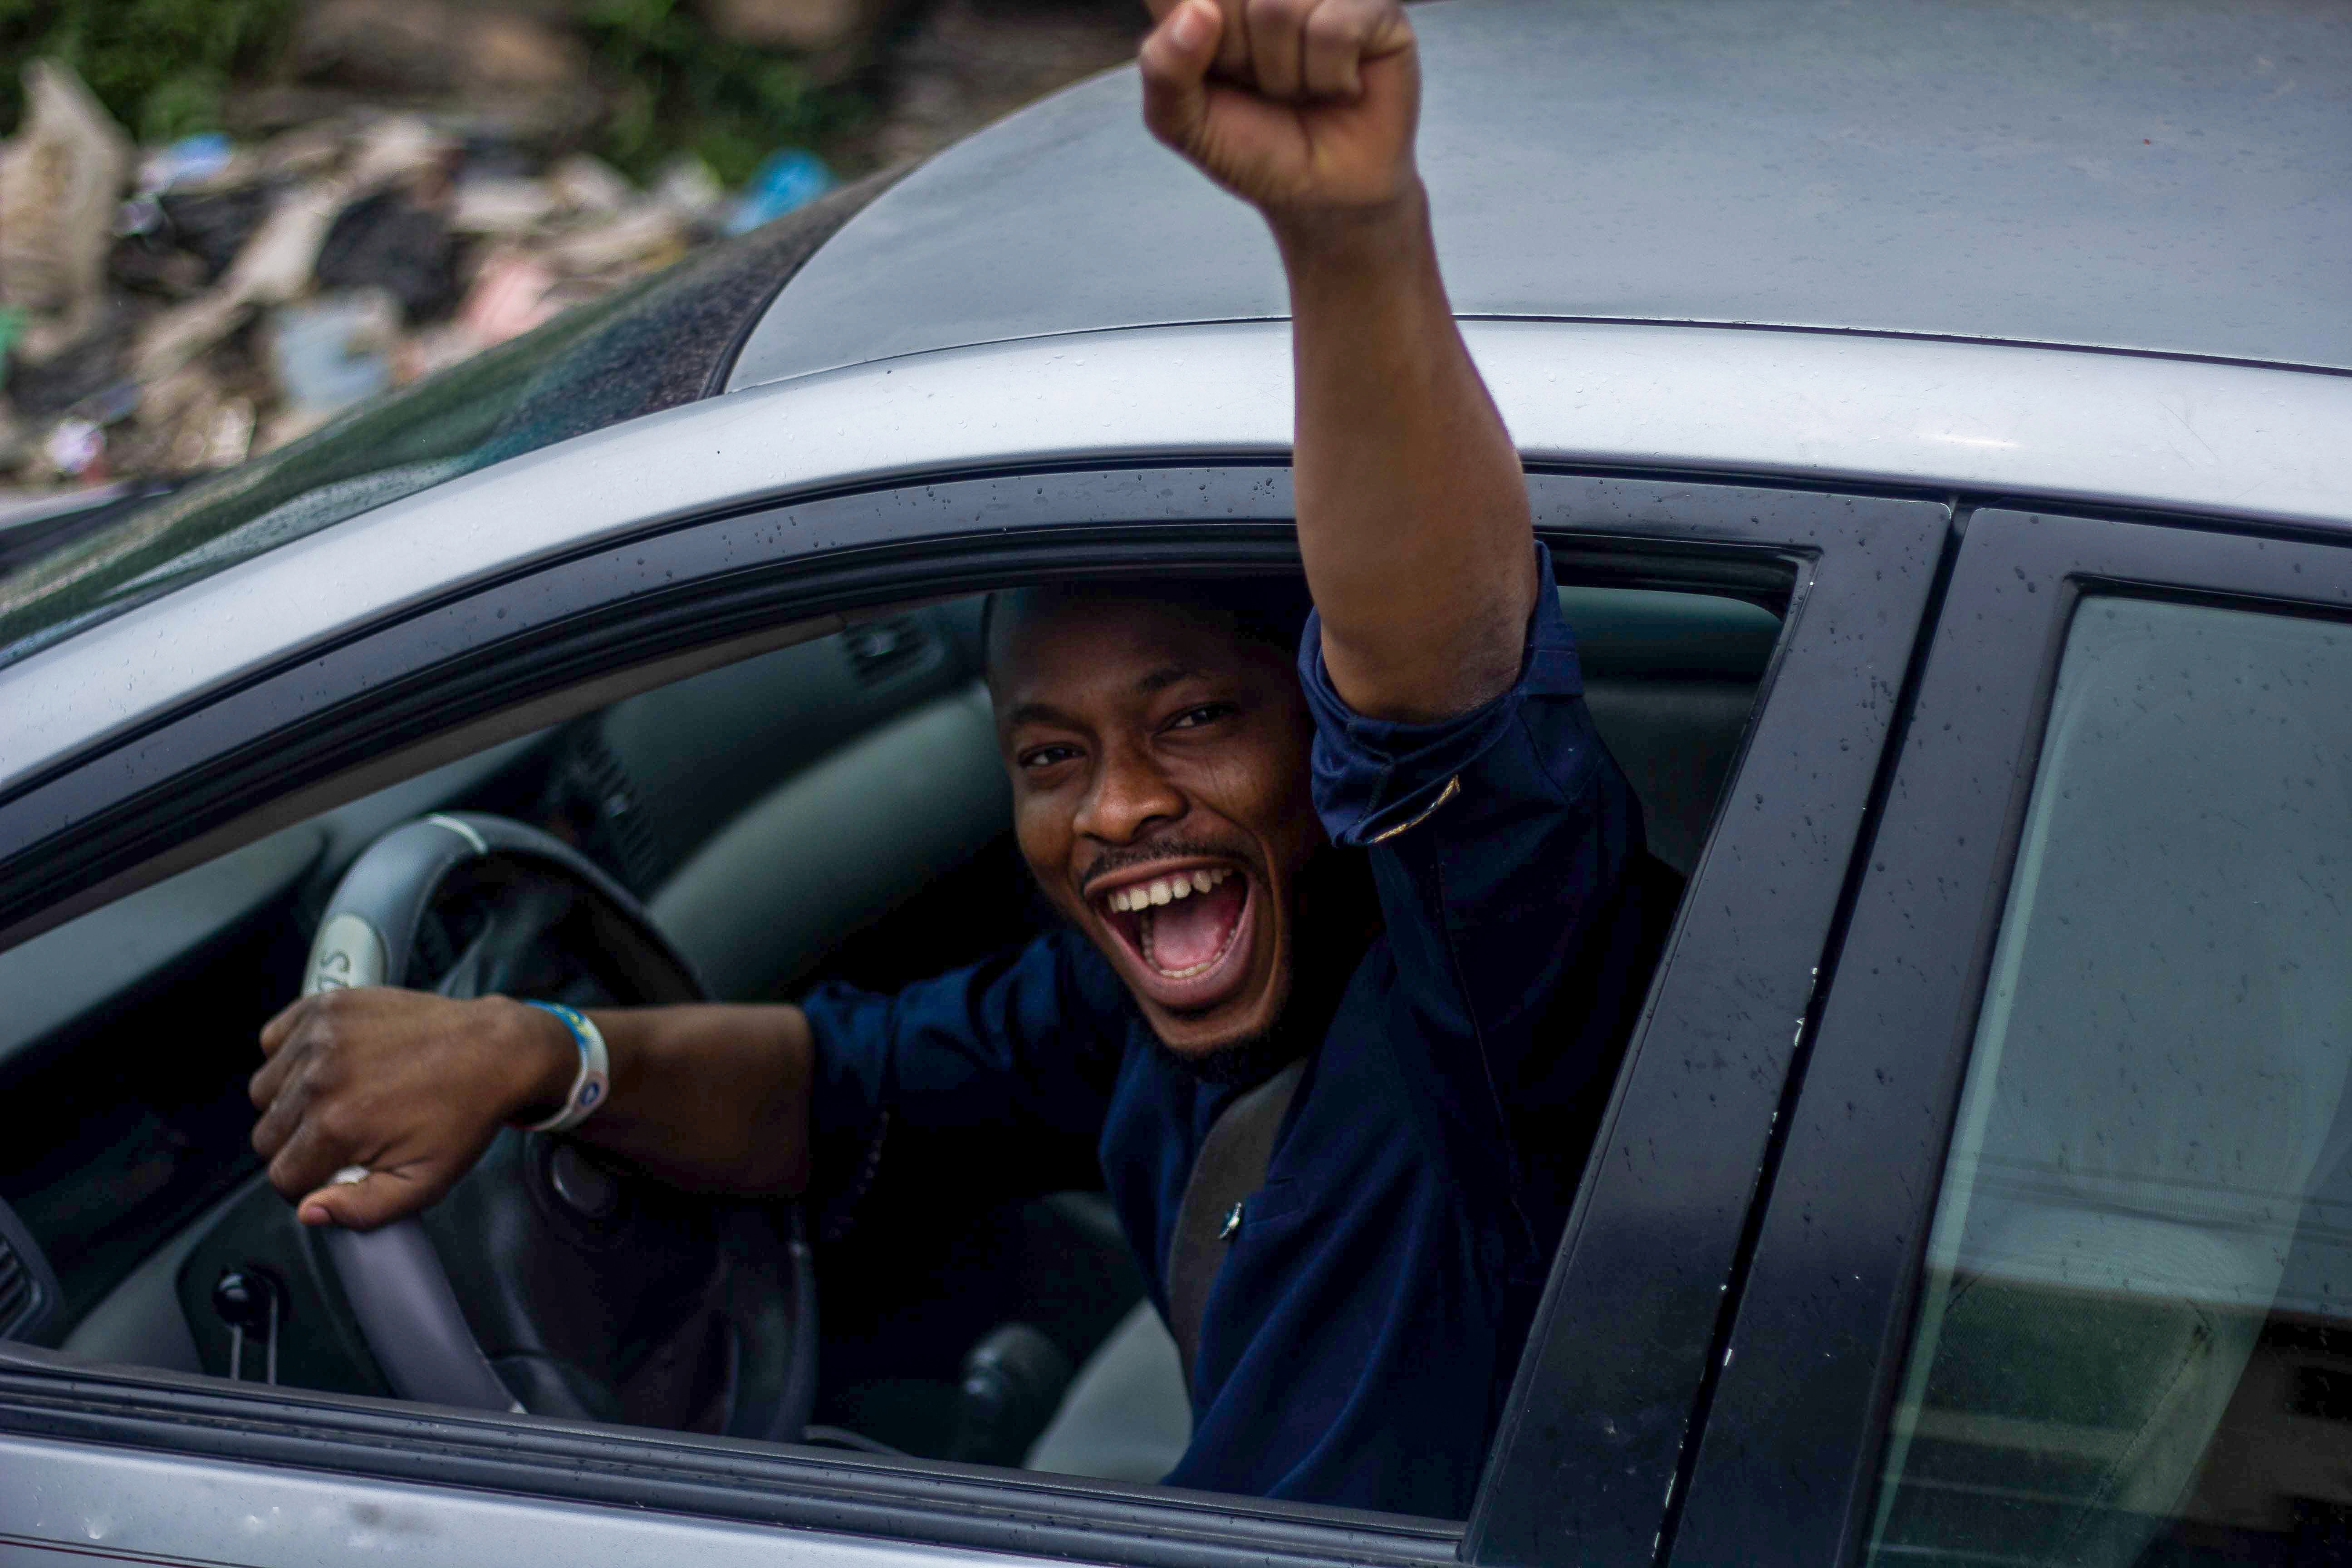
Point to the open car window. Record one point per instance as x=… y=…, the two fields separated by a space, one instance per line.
x=833 y=811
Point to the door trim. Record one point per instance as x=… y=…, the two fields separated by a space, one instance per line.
x=1585 y=1462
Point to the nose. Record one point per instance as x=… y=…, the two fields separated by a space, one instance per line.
x=1129 y=797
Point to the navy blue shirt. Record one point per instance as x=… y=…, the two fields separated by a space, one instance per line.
x=1360 y=1337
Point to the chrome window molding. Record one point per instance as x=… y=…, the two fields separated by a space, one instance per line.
x=287 y=1476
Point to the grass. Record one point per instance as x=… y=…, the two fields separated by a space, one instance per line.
x=684 y=88
x=163 y=67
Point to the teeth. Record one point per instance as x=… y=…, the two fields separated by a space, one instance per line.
x=1164 y=889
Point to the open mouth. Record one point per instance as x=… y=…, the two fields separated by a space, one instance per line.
x=1183 y=930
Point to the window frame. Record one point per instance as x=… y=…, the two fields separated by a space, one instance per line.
x=1786 y=1467
x=1612 y=1382
x=512 y=654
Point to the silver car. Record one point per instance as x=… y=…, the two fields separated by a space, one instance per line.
x=1940 y=417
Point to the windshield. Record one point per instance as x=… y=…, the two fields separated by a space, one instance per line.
x=492 y=406
x=663 y=341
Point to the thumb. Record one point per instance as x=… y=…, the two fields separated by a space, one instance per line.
x=358 y=1200
x=1175 y=62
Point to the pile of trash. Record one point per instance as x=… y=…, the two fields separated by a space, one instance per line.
x=175 y=308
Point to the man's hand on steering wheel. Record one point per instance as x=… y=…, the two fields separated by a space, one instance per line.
x=408 y=1085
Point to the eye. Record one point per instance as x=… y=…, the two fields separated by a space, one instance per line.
x=1046 y=756
x=1206 y=713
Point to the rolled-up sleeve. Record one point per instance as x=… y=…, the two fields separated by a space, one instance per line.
x=1500 y=841
x=1375 y=778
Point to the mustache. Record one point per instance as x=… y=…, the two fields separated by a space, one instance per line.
x=1111 y=862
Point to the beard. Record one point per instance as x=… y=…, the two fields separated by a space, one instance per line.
x=1338 y=916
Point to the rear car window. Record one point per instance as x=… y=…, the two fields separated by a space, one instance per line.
x=667 y=340
x=2135 y=1341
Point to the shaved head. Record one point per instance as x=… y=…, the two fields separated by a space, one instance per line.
x=1267 y=610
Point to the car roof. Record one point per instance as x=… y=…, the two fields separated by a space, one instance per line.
x=2160 y=176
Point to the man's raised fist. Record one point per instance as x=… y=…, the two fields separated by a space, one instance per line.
x=1299 y=107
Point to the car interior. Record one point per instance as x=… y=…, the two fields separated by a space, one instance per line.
x=831 y=810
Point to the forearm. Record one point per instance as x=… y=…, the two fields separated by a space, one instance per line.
x=1413 y=511
x=713 y=1098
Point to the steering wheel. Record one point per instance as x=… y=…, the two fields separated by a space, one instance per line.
x=552 y=1279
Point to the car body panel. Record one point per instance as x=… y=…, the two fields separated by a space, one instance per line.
x=1786 y=1468
x=2162 y=176
x=1811 y=409
x=77 y=1500
x=96 y=1421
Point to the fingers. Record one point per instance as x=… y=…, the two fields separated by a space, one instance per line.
x=310 y=1168
x=322 y=1101
x=1175 y=61
x=1276 y=31
x=281 y=1113
x=270 y=1078
x=276 y=1032
x=289 y=1041
x=377 y=1198
x=1295 y=51
x=312 y=1151
x=1338 y=36
x=292 y=1039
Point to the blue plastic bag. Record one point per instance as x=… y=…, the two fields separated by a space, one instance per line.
x=783 y=181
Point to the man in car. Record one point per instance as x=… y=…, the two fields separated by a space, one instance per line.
x=1401 y=860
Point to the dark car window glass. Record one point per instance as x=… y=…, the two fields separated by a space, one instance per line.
x=661 y=343
x=2135 y=1341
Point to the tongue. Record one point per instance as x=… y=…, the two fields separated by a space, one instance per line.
x=1192 y=930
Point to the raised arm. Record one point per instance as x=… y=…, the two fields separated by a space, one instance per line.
x=1412 y=513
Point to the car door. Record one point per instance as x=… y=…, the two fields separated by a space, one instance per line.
x=174 y=1467
x=2054 y=1266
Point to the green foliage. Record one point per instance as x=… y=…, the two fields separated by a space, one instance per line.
x=163 y=67
x=685 y=88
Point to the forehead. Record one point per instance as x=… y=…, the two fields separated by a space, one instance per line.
x=1047 y=645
